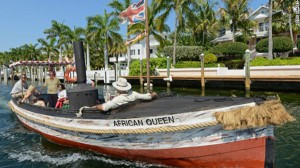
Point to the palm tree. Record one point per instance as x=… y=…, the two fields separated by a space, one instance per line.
x=236 y=13
x=270 y=53
x=287 y=8
x=30 y=51
x=71 y=36
x=58 y=31
x=157 y=26
x=204 y=22
x=48 y=47
x=180 y=7
x=105 y=27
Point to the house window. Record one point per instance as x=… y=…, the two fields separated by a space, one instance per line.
x=132 y=52
x=222 y=32
x=263 y=26
x=139 y=52
x=151 y=51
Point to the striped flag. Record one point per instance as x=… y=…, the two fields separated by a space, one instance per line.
x=134 y=13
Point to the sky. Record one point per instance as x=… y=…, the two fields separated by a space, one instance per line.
x=24 y=21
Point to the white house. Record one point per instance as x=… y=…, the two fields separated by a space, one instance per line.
x=260 y=31
x=138 y=51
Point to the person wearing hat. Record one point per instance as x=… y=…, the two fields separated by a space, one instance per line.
x=19 y=89
x=123 y=97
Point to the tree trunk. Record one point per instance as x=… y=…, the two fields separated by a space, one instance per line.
x=175 y=41
x=291 y=31
x=233 y=32
x=270 y=53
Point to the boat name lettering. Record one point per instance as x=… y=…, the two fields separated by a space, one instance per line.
x=141 y=122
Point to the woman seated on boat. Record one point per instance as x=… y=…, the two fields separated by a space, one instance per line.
x=62 y=96
x=123 y=97
x=30 y=98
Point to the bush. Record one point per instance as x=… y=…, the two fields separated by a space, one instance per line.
x=230 y=49
x=235 y=64
x=154 y=63
x=210 y=58
x=280 y=45
x=184 y=53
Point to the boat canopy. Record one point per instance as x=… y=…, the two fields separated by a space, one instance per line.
x=39 y=63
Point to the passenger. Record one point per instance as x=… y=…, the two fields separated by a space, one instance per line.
x=62 y=96
x=91 y=82
x=123 y=97
x=19 y=89
x=51 y=84
x=30 y=98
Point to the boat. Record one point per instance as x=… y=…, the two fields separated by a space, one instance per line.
x=177 y=131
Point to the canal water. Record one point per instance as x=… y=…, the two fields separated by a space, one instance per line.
x=20 y=147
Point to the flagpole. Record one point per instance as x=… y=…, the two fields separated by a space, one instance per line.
x=147 y=46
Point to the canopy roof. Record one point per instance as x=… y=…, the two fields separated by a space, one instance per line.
x=39 y=63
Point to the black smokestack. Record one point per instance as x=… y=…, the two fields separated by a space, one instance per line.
x=79 y=61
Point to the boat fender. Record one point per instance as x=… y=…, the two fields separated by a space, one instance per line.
x=67 y=74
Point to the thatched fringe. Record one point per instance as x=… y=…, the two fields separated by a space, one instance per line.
x=268 y=113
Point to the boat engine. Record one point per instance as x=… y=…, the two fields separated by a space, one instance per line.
x=82 y=94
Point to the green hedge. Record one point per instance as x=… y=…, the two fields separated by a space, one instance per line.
x=261 y=61
x=280 y=44
x=184 y=53
x=230 y=49
x=154 y=62
x=195 y=64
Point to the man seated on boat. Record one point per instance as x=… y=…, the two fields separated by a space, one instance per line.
x=19 y=89
x=123 y=97
x=30 y=98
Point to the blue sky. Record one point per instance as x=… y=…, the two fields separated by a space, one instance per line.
x=24 y=21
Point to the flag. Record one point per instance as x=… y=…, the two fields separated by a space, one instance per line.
x=136 y=38
x=134 y=13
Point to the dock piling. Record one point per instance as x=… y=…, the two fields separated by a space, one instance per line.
x=5 y=75
x=202 y=71
x=168 y=72
x=247 y=70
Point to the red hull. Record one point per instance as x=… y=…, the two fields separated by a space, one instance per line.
x=247 y=153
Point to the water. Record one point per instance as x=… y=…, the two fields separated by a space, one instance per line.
x=21 y=147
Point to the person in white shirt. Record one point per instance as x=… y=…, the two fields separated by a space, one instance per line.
x=123 y=97
x=19 y=89
x=62 y=96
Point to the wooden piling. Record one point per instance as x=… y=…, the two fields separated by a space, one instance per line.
x=5 y=75
x=141 y=73
x=247 y=70
x=202 y=71
x=168 y=72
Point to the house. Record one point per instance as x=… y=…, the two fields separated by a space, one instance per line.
x=138 y=51
x=260 y=31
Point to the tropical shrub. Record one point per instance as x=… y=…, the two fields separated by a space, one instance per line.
x=154 y=63
x=280 y=44
x=210 y=58
x=184 y=53
x=231 y=49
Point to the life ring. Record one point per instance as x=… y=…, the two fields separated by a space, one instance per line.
x=67 y=76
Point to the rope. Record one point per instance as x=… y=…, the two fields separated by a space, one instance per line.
x=79 y=114
x=117 y=131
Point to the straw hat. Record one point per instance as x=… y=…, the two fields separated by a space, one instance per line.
x=122 y=84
